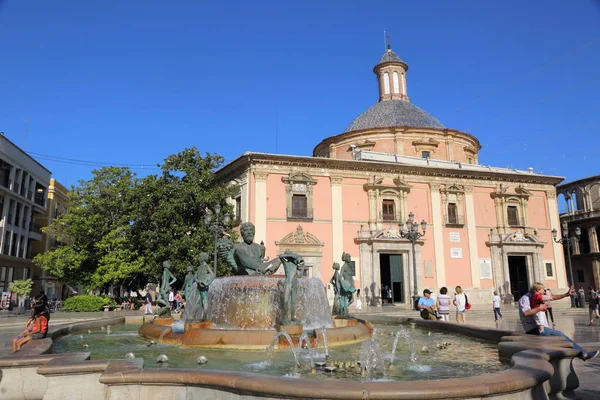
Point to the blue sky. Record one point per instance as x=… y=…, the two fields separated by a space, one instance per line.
x=131 y=82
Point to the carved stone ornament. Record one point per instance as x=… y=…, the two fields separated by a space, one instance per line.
x=392 y=233
x=518 y=236
x=299 y=237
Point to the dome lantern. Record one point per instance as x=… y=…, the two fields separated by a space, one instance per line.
x=391 y=76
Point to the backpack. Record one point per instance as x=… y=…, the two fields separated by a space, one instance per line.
x=467 y=304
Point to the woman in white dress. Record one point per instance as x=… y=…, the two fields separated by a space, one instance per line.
x=460 y=301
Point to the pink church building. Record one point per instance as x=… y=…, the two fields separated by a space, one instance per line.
x=488 y=228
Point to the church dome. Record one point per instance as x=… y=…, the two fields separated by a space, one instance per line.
x=394 y=113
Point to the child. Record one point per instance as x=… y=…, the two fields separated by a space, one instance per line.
x=540 y=318
x=444 y=304
x=358 y=300
x=36 y=328
x=496 y=300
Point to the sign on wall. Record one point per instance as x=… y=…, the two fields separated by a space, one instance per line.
x=456 y=252
x=485 y=268
x=455 y=237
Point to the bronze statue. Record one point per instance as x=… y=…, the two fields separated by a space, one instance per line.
x=204 y=277
x=292 y=264
x=335 y=283
x=168 y=279
x=246 y=258
x=188 y=283
x=346 y=284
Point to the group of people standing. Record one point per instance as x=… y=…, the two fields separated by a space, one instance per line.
x=439 y=308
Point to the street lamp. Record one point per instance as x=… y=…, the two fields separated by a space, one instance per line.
x=216 y=227
x=412 y=234
x=567 y=242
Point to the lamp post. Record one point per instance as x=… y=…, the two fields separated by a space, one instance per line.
x=216 y=227
x=567 y=242
x=412 y=234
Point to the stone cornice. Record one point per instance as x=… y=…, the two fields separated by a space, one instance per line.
x=362 y=169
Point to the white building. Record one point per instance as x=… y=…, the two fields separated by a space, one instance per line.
x=23 y=194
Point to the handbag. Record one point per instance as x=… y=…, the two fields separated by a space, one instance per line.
x=467 y=304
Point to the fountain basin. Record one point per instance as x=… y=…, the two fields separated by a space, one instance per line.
x=205 y=334
x=52 y=376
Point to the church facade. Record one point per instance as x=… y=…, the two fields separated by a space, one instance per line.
x=487 y=228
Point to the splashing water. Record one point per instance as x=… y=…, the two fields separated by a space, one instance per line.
x=371 y=360
x=292 y=348
x=178 y=326
x=163 y=333
x=404 y=333
x=256 y=302
x=323 y=333
x=304 y=338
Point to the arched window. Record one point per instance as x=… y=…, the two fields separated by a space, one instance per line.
x=386 y=83
x=396 y=82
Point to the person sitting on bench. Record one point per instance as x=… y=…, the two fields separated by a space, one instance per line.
x=36 y=328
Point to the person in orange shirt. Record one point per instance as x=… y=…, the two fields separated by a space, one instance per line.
x=36 y=328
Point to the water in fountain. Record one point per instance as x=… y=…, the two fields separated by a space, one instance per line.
x=403 y=332
x=323 y=333
x=163 y=333
x=178 y=326
x=304 y=339
x=371 y=360
x=256 y=302
x=292 y=348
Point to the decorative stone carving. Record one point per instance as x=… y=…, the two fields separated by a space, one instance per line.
x=392 y=233
x=518 y=236
x=299 y=237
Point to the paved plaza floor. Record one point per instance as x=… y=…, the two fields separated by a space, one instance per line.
x=573 y=322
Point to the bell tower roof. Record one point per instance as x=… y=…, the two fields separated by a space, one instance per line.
x=391 y=56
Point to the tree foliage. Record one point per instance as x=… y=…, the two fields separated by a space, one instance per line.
x=22 y=287
x=120 y=228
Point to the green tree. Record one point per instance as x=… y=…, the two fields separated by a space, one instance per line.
x=171 y=208
x=119 y=229
x=22 y=288
x=96 y=232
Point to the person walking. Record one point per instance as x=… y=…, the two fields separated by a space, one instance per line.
x=592 y=298
x=581 y=296
x=358 y=300
x=460 y=301
x=496 y=301
x=444 y=304
x=148 y=303
x=528 y=314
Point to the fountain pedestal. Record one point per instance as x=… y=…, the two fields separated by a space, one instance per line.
x=292 y=330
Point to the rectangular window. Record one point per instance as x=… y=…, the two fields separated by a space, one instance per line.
x=13 y=245
x=11 y=271
x=238 y=208
x=56 y=210
x=299 y=206
x=580 y=276
x=452 y=213
x=22 y=247
x=18 y=215
x=26 y=272
x=513 y=215
x=40 y=195
x=549 y=269
x=11 y=205
x=388 y=213
x=6 y=243
x=4 y=173
x=425 y=154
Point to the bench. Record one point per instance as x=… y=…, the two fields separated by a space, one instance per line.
x=112 y=308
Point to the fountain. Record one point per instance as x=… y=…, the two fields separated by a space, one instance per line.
x=247 y=310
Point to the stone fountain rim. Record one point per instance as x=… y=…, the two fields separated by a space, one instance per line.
x=532 y=366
